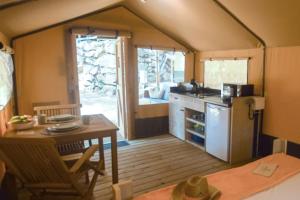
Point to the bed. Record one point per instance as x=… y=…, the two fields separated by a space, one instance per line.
x=288 y=189
x=242 y=183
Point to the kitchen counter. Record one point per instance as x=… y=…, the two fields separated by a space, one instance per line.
x=219 y=128
x=215 y=99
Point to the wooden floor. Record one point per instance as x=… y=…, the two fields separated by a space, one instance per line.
x=156 y=162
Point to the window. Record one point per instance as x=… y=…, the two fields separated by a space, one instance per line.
x=158 y=70
x=6 y=83
x=217 y=72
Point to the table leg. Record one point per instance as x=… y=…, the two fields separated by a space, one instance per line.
x=101 y=151
x=114 y=158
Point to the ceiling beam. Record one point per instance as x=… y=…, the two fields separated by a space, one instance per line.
x=13 y=3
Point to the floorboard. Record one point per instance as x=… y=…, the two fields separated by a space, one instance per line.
x=156 y=162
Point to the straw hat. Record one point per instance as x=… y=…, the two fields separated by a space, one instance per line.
x=195 y=188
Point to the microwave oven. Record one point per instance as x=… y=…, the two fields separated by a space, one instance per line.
x=237 y=90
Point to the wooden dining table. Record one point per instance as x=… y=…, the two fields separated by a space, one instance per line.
x=98 y=128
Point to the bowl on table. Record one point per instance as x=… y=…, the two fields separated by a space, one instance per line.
x=22 y=126
x=21 y=122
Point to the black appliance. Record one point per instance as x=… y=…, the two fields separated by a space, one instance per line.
x=237 y=90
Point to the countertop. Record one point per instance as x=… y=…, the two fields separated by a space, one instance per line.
x=215 y=99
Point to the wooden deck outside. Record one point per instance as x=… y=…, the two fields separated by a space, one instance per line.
x=156 y=162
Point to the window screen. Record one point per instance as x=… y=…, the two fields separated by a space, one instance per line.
x=217 y=72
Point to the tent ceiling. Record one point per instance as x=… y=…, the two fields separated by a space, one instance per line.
x=277 y=22
x=199 y=24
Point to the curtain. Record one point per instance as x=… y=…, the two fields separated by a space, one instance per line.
x=6 y=104
x=6 y=89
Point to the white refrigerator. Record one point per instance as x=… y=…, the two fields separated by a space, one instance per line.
x=217 y=131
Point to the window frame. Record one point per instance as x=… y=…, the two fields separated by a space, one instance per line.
x=137 y=70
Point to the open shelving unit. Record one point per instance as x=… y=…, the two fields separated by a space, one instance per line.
x=195 y=128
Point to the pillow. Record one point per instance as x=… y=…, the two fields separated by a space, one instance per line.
x=156 y=93
x=166 y=87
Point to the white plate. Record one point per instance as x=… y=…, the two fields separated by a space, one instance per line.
x=63 y=127
x=64 y=117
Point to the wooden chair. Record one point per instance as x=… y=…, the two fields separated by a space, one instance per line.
x=75 y=147
x=38 y=165
x=73 y=109
x=52 y=110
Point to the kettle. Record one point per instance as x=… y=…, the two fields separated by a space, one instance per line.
x=195 y=86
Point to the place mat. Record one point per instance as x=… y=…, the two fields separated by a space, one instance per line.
x=74 y=131
x=121 y=143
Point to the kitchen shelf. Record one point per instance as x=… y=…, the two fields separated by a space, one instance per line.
x=195 y=121
x=195 y=133
x=196 y=145
x=195 y=128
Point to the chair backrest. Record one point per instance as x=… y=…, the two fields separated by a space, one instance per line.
x=34 y=161
x=73 y=109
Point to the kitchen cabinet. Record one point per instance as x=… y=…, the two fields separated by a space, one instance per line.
x=190 y=120
x=195 y=128
x=176 y=117
x=178 y=106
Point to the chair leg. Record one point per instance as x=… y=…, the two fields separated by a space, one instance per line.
x=91 y=187
x=98 y=168
x=97 y=172
x=87 y=179
x=101 y=152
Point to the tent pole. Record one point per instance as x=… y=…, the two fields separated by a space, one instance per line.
x=262 y=42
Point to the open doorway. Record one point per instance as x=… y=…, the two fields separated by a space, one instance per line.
x=97 y=75
x=97 y=81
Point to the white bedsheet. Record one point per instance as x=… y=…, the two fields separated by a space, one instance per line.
x=287 y=190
